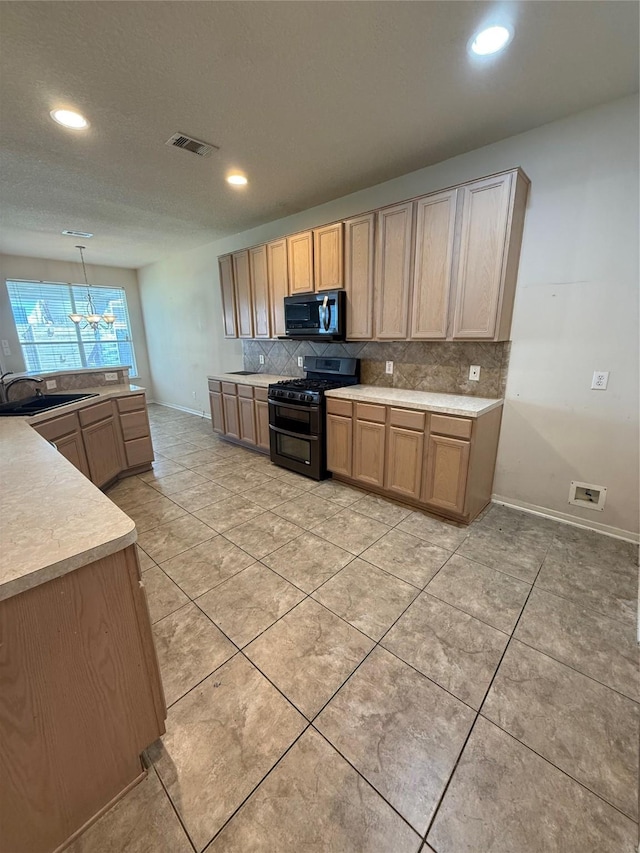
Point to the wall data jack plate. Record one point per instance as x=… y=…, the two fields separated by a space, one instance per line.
x=587 y=495
x=474 y=373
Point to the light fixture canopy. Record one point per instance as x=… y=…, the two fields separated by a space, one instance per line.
x=69 y=119
x=237 y=179
x=490 y=40
x=91 y=318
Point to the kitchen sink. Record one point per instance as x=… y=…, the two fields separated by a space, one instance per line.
x=242 y=373
x=33 y=405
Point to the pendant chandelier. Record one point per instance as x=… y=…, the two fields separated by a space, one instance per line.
x=91 y=318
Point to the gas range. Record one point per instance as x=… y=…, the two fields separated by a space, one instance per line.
x=308 y=391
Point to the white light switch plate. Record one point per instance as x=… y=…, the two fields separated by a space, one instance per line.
x=111 y=377
x=300 y=361
x=261 y=359
x=474 y=373
x=388 y=368
x=600 y=380
x=51 y=384
x=6 y=349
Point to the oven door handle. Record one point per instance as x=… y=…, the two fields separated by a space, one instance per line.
x=299 y=435
x=293 y=406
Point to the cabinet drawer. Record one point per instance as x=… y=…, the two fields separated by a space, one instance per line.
x=245 y=391
x=215 y=385
x=138 y=452
x=134 y=425
x=447 y=425
x=131 y=404
x=95 y=413
x=260 y=394
x=339 y=407
x=407 y=418
x=229 y=388
x=371 y=412
x=58 y=427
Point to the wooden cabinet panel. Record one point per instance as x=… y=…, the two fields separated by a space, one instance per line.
x=259 y=291
x=134 y=425
x=404 y=462
x=407 y=418
x=339 y=407
x=300 y=257
x=328 y=257
x=278 y=283
x=479 y=268
x=104 y=455
x=261 y=394
x=245 y=391
x=369 y=452
x=262 y=424
x=138 y=451
x=371 y=412
x=131 y=403
x=446 y=476
x=432 y=275
x=58 y=427
x=247 y=419
x=227 y=290
x=393 y=267
x=242 y=281
x=358 y=276
x=231 y=422
x=72 y=448
x=339 y=444
x=217 y=413
x=450 y=425
x=96 y=412
x=215 y=385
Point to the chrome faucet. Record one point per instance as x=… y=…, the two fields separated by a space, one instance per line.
x=4 y=386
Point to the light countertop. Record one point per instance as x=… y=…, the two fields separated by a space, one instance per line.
x=428 y=401
x=52 y=518
x=258 y=380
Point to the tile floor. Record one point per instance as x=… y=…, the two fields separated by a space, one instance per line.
x=345 y=674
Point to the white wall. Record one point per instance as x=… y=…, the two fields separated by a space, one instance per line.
x=43 y=269
x=576 y=308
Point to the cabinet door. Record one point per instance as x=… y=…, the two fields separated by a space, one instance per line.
x=432 y=274
x=300 y=255
x=447 y=468
x=259 y=291
x=247 y=419
x=225 y=265
x=242 y=279
x=262 y=424
x=479 y=266
x=358 y=276
x=393 y=267
x=101 y=442
x=278 y=284
x=217 y=413
x=368 y=452
x=404 y=462
x=72 y=448
x=339 y=444
x=231 y=423
x=328 y=257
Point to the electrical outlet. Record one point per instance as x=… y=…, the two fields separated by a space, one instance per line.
x=388 y=368
x=111 y=377
x=51 y=384
x=300 y=361
x=474 y=373
x=261 y=359
x=600 y=380
x=194 y=394
x=6 y=349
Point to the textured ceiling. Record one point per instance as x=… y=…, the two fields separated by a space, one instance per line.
x=312 y=99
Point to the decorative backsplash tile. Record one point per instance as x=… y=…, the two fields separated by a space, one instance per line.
x=68 y=382
x=417 y=365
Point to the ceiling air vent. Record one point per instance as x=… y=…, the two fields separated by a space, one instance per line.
x=202 y=149
x=84 y=234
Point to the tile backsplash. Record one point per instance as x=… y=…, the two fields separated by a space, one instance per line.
x=417 y=365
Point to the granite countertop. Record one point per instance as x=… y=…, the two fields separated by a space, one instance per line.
x=428 y=401
x=104 y=391
x=258 y=380
x=52 y=518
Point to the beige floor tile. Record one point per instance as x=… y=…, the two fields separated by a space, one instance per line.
x=141 y=822
x=242 y=479
x=161 y=468
x=228 y=512
x=221 y=740
x=444 y=534
x=368 y=598
x=332 y=490
x=297 y=480
x=308 y=654
x=197 y=497
x=505 y=798
x=381 y=509
x=231 y=451
x=487 y=594
x=163 y=596
x=263 y=534
x=411 y=559
x=189 y=648
x=272 y=493
x=595 y=645
x=203 y=567
x=518 y=553
x=308 y=561
x=172 y=538
x=206 y=441
x=249 y=602
x=314 y=801
x=307 y=510
x=582 y=727
x=405 y=740
x=154 y=513
x=452 y=648
x=177 y=449
x=195 y=458
x=351 y=530
x=144 y=560
x=178 y=482
x=135 y=494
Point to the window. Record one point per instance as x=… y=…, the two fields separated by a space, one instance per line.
x=51 y=341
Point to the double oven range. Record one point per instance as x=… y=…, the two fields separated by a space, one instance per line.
x=297 y=414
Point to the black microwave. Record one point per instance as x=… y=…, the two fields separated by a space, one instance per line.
x=315 y=316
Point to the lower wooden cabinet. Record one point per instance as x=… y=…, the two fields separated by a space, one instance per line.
x=217 y=412
x=104 y=452
x=247 y=419
x=231 y=419
x=445 y=483
x=262 y=424
x=369 y=452
x=72 y=448
x=65 y=435
x=240 y=411
x=404 y=462
x=339 y=444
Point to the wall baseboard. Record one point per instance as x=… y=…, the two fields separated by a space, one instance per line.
x=197 y=412
x=566 y=518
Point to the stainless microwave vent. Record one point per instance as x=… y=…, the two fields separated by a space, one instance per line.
x=188 y=143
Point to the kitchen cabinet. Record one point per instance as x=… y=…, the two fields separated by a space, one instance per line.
x=328 y=257
x=230 y=409
x=217 y=413
x=300 y=259
x=242 y=282
x=447 y=470
x=225 y=267
x=392 y=271
x=135 y=429
x=262 y=424
x=278 y=274
x=359 y=275
x=65 y=434
x=339 y=444
x=240 y=412
x=404 y=462
x=369 y=445
x=246 y=414
x=259 y=291
x=102 y=442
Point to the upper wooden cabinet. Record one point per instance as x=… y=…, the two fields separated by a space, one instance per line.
x=393 y=267
x=260 y=291
x=328 y=257
x=300 y=256
x=225 y=265
x=278 y=283
x=242 y=280
x=358 y=276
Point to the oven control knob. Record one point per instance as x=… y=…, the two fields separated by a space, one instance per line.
x=308 y=398
x=290 y=395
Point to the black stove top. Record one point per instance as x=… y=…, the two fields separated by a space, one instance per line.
x=308 y=384
x=323 y=374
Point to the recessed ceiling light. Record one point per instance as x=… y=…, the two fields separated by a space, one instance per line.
x=237 y=180
x=490 y=40
x=70 y=119
x=84 y=234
